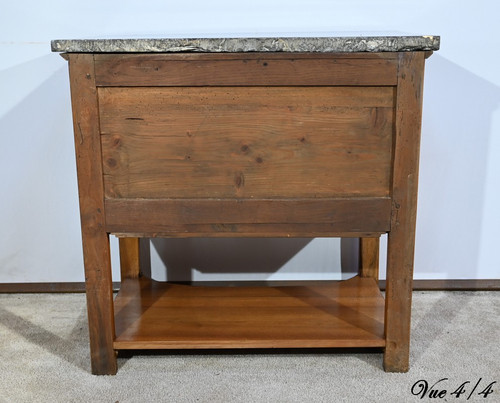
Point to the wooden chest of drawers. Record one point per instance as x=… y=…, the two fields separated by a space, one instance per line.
x=247 y=144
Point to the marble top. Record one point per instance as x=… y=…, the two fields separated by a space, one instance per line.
x=218 y=45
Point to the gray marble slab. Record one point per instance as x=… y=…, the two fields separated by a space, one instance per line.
x=218 y=45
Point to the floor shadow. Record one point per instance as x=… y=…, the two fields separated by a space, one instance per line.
x=370 y=356
x=65 y=348
x=429 y=327
x=125 y=354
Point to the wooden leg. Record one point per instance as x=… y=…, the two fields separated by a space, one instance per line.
x=95 y=240
x=401 y=238
x=368 y=257
x=398 y=295
x=100 y=311
x=129 y=258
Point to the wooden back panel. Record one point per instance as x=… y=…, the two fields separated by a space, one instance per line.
x=246 y=142
x=179 y=132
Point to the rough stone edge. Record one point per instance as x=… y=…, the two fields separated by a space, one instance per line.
x=229 y=45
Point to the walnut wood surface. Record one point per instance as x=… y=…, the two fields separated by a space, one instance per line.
x=163 y=215
x=129 y=258
x=369 y=257
x=152 y=315
x=246 y=142
x=245 y=69
x=94 y=237
x=401 y=239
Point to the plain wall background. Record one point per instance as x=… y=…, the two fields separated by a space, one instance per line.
x=458 y=215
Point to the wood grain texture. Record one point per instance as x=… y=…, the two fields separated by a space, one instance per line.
x=94 y=237
x=223 y=215
x=245 y=70
x=369 y=257
x=401 y=239
x=129 y=258
x=152 y=315
x=246 y=142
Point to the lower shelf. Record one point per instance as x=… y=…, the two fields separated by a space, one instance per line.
x=157 y=315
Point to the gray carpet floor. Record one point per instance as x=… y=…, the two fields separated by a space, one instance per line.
x=44 y=357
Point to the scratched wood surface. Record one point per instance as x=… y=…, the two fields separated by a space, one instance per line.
x=241 y=142
x=153 y=315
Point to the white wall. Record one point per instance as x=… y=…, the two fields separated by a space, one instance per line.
x=458 y=217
